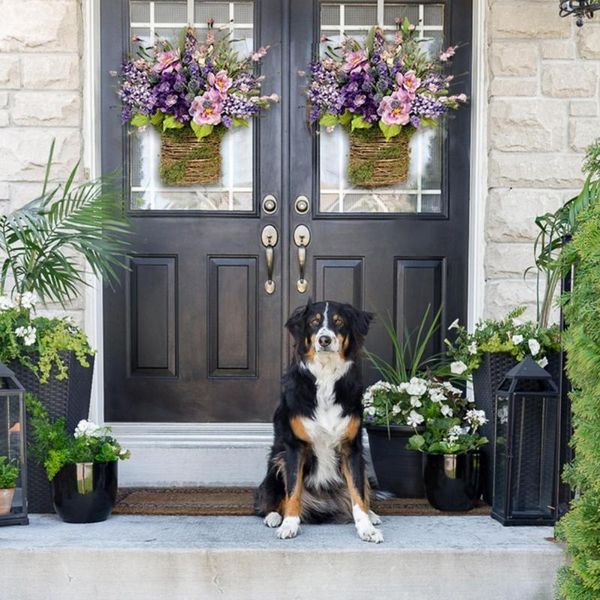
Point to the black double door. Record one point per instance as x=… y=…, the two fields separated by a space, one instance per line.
x=194 y=332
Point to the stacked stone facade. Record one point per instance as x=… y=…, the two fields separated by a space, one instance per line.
x=542 y=114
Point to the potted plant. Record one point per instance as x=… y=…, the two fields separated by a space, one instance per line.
x=42 y=245
x=192 y=94
x=381 y=92
x=488 y=353
x=82 y=467
x=450 y=443
x=9 y=473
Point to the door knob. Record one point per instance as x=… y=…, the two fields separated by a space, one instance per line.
x=302 y=239
x=269 y=237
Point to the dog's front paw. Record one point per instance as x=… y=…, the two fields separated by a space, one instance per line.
x=273 y=519
x=368 y=533
x=374 y=518
x=289 y=528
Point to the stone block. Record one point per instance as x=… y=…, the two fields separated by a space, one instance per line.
x=513 y=87
x=10 y=76
x=566 y=80
x=583 y=108
x=528 y=20
x=558 y=49
x=514 y=59
x=4 y=118
x=503 y=295
x=53 y=72
x=583 y=133
x=532 y=125
x=46 y=108
x=508 y=260
x=588 y=41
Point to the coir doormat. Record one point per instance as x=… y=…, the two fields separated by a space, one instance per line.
x=238 y=501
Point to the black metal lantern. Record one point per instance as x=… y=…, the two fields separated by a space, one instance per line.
x=13 y=499
x=526 y=447
x=580 y=9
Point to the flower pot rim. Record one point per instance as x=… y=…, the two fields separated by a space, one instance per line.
x=393 y=427
x=447 y=454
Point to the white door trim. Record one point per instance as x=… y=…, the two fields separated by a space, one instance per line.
x=166 y=436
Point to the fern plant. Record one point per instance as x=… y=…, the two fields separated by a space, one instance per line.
x=40 y=241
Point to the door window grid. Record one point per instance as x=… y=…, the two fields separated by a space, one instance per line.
x=378 y=197
x=239 y=198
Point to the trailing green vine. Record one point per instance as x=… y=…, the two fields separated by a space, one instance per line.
x=580 y=528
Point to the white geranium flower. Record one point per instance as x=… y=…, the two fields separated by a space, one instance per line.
x=416 y=387
x=87 y=428
x=458 y=367
x=414 y=418
x=27 y=300
x=517 y=339
x=543 y=362
x=451 y=388
x=371 y=410
x=437 y=396
x=472 y=348
x=454 y=325
x=446 y=410
x=454 y=433
x=415 y=402
x=28 y=334
x=534 y=346
x=6 y=303
x=476 y=417
x=396 y=410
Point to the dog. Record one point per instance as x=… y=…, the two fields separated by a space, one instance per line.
x=316 y=469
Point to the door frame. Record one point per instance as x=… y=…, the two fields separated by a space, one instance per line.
x=257 y=436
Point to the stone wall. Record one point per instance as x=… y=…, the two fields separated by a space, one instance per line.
x=542 y=114
x=40 y=97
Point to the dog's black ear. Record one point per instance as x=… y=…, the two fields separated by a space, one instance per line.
x=359 y=320
x=295 y=324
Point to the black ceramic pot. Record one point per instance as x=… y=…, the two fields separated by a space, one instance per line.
x=452 y=481
x=85 y=492
x=398 y=469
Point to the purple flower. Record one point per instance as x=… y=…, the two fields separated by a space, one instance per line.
x=355 y=61
x=207 y=109
x=395 y=109
x=136 y=93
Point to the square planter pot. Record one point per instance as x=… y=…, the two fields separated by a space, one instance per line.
x=69 y=398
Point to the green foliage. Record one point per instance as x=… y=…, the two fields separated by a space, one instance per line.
x=201 y=131
x=51 y=337
x=509 y=335
x=39 y=240
x=580 y=528
x=9 y=473
x=54 y=447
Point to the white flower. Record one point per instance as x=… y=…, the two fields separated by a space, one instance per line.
x=416 y=387
x=543 y=362
x=534 y=346
x=437 y=396
x=458 y=367
x=27 y=333
x=6 y=303
x=371 y=411
x=415 y=402
x=517 y=322
x=517 y=339
x=446 y=410
x=123 y=453
x=451 y=388
x=476 y=417
x=414 y=418
x=87 y=428
x=453 y=325
x=455 y=432
x=473 y=348
x=396 y=410
x=27 y=300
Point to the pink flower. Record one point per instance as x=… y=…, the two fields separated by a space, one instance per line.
x=207 y=109
x=167 y=61
x=221 y=82
x=448 y=53
x=355 y=61
x=262 y=51
x=409 y=81
x=395 y=109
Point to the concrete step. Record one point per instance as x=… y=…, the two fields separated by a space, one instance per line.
x=238 y=558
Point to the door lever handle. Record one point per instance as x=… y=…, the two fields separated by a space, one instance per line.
x=302 y=239
x=269 y=237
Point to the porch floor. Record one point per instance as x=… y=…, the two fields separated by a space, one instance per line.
x=237 y=558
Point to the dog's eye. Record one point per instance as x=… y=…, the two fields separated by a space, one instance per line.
x=315 y=321
x=338 y=320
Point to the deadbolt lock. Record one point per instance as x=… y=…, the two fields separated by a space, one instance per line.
x=302 y=205
x=269 y=204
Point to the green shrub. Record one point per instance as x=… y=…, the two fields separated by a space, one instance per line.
x=9 y=473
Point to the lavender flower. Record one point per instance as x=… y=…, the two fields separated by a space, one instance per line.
x=136 y=93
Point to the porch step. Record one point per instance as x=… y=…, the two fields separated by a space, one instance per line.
x=237 y=558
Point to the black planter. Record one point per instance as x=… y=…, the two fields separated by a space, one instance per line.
x=486 y=380
x=398 y=469
x=85 y=492
x=69 y=398
x=452 y=481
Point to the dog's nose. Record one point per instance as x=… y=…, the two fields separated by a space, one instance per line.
x=324 y=341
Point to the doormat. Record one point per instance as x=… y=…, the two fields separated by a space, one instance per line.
x=238 y=501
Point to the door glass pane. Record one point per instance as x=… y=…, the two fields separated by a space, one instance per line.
x=166 y=19
x=422 y=192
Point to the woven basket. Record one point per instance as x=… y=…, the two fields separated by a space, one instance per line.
x=186 y=160
x=375 y=162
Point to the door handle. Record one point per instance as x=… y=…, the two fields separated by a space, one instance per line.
x=302 y=240
x=269 y=237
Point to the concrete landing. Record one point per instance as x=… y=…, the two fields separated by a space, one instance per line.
x=238 y=558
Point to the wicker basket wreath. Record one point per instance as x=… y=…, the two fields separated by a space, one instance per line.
x=187 y=160
x=375 y=162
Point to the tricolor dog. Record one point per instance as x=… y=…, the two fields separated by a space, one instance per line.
x=316 y=469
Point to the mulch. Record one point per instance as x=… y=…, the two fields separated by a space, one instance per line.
x=238 y=501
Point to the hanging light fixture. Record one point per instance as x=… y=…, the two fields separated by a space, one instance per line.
x=580 y=9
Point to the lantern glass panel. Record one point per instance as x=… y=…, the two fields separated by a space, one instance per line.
x=500 y=467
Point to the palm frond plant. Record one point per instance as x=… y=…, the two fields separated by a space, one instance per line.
x=41 y=240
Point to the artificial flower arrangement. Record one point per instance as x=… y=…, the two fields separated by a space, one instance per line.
x=192 y=94
x=381 y=92
x=54 y=447
x=510 y=335
x=444 y=421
